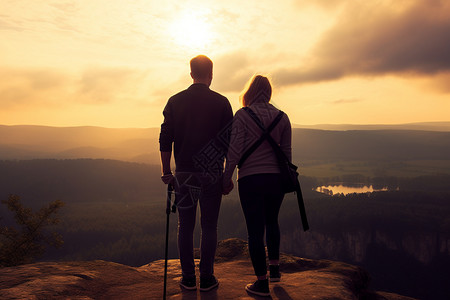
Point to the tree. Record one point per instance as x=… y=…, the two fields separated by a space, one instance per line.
x=25 y=245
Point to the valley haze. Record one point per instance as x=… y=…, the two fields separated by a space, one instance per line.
x=404 y=141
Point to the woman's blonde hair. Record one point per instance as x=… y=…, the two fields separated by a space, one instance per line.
x=257 y=90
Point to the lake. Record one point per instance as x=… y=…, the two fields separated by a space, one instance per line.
x=346 y=189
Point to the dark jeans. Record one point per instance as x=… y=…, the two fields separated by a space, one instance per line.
x=190 y=189
x=261 y=197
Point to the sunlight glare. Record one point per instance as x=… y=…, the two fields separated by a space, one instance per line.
x=192 y=30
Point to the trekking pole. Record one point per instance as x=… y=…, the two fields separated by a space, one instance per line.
x=168 y=210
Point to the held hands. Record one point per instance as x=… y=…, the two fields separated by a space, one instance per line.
x=167 y=178
x=227 y=187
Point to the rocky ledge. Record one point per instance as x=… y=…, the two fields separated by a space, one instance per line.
x=302 y=279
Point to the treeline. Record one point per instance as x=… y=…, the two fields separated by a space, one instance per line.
x=392 y=212
x=132 y=234
x=80 y=180
x=373 y=145
x=400 y=237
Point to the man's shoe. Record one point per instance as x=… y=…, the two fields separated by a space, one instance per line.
x=260 y=288
x=275 y=274
x=188 y=283
x=207 y=284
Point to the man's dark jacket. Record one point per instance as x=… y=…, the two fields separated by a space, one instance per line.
x=197 y=122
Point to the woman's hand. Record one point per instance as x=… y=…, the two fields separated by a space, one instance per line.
x=227 y=187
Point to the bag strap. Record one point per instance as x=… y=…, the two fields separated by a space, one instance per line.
x=282 y=158
x=279 y=153
x=264 y=136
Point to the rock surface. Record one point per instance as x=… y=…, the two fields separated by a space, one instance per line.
x=301 y=279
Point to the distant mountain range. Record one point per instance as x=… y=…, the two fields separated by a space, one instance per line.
x=427 y=126
x=336 y=142
x=31 y=142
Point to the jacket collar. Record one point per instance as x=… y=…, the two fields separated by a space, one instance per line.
x=198 y=86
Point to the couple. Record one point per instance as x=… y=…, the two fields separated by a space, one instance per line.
x=200 y=124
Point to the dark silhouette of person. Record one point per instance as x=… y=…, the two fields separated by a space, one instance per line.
x=195 y=122
x=259 y=180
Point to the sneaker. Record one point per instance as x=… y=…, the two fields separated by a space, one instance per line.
x=260 y=288
x=275 y=274
x=188 y=283
x=207 y=284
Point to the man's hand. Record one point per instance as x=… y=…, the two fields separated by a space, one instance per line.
x=167 y=178
x=227 y=187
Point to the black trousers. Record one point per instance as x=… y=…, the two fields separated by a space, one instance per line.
x=261 y=197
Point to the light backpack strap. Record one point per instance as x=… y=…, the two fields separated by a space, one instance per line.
x=264 y=136
x=280 y=154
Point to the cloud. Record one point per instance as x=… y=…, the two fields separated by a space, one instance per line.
x=65 y=8
x=107 y=85
x=325 y=4
x=8 y=26
x=103 y=85
x=23 y=87
x=232 y=71
x=345 y=101
x=440 y=83
x=372 y=40
x=93 y=86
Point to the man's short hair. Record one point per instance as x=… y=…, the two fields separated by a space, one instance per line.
x=201 y=67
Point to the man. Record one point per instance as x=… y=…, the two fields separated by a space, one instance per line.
x=196 y=122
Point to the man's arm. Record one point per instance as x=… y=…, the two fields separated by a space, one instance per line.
x=166 y=171
x=165 y=162
x=166 y=138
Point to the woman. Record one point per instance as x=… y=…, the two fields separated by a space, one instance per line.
x=259 y=181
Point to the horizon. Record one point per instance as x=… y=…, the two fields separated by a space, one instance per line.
x=114 y=65
x=437 y=123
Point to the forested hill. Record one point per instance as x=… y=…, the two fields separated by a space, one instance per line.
x=80 y=180
x=370 y=144
x=141 y=145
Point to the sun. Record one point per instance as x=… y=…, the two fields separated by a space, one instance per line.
x=191 y=29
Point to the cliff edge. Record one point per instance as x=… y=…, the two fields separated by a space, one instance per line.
x=301 y=279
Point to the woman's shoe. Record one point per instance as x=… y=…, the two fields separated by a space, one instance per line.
x=207 y=284
x=275 y=274
x=260 y=288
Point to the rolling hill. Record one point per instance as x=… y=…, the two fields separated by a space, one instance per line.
x=141 y=144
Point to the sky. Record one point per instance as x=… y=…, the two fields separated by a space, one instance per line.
x=114 y=63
